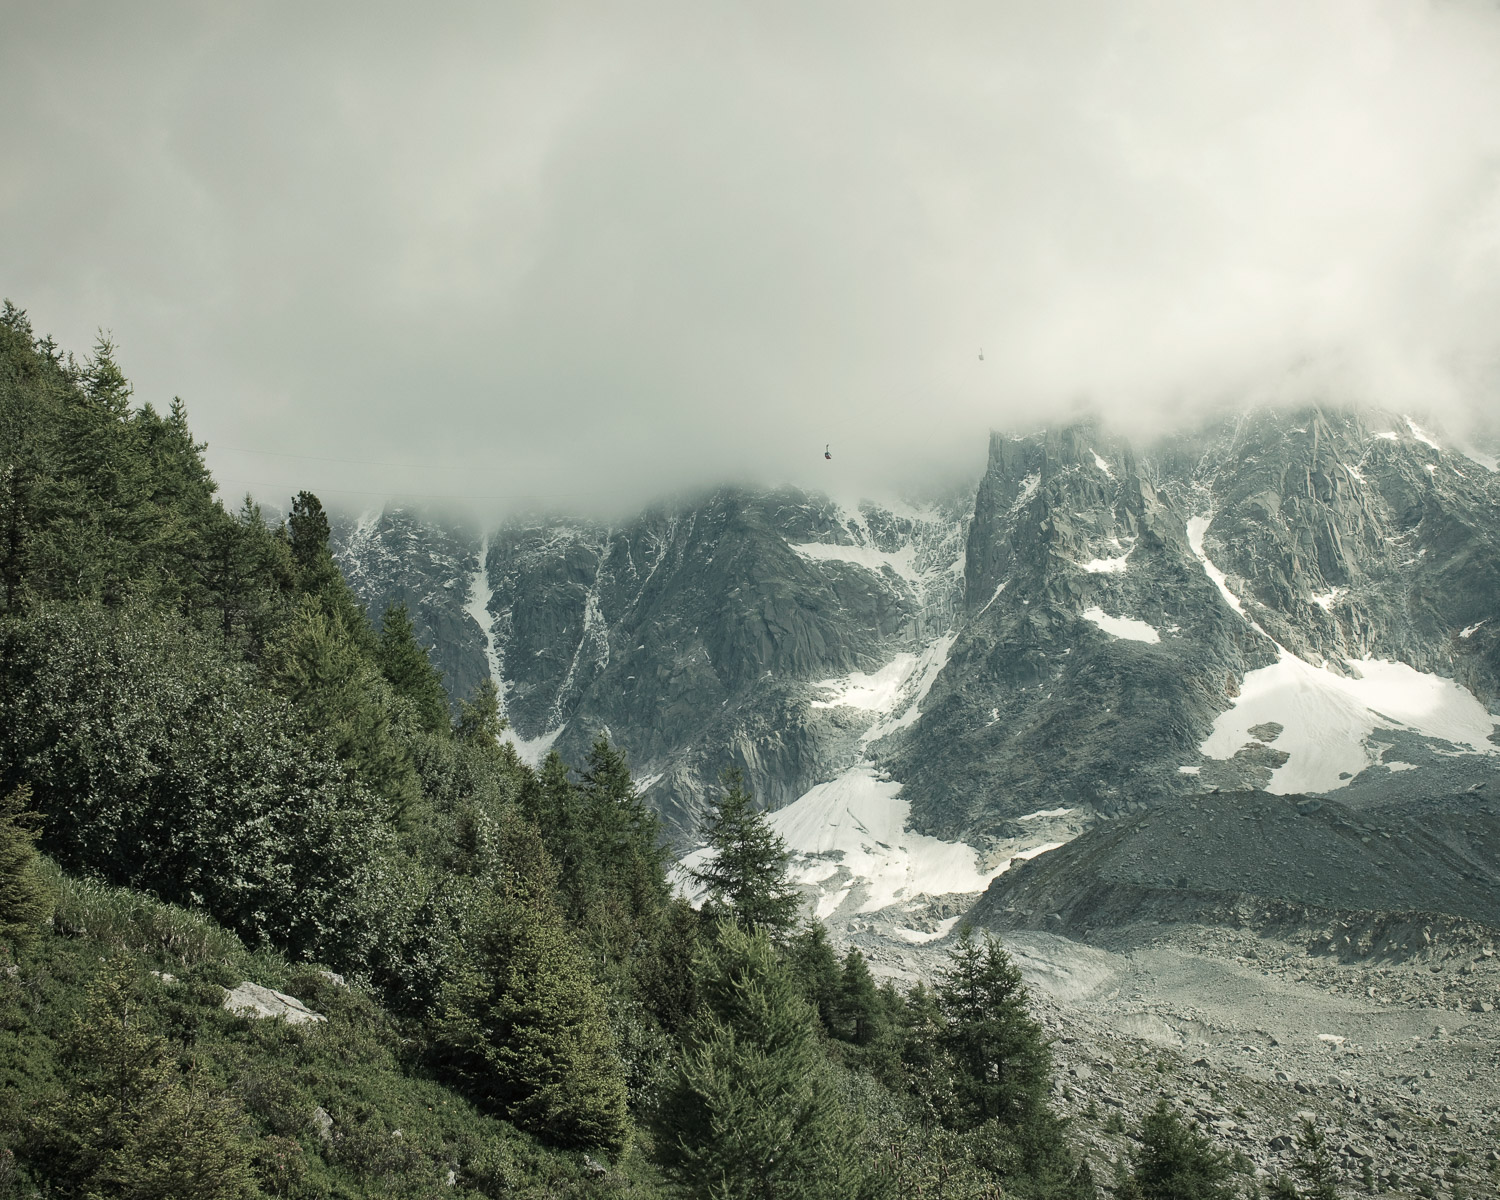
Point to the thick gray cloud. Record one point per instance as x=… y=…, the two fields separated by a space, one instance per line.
x=586 y=254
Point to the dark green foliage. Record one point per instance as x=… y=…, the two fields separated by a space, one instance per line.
x=128 y=1123
x=751 y=1111
x=319 y=662
x=860 y=1013
x=1315 y=1164
x=158 y=764
x=521 y=1025
x=999 y=1052
x=479 y=721
x=25 y=899
x=409 y=672
x=746 y=877
x=1176 y=1162
x=356 y=1067
x=816 y=967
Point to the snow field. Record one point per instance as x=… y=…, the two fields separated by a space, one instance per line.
x=878 y=692
x=1328 y=718
x=859 y=822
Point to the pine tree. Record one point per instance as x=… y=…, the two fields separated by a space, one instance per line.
x=24 y=897
x=521 y=1024
x=747 y=871
x=812 y=960
x=479 y=721
x=1177 y=1162
x=859 y=1008
x=999 y=1051
x=750 y=1112
x=129 y=1125
x=1315 y=1165
x=410 y=673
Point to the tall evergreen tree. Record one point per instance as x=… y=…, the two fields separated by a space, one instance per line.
x=24 y=897
x=812 y=960
x=410 y=672
x=1315 y=1164
x=1176 y=1162
x=746 y=875
x=860 y=1011
x=129 y=1124
x=999 y=1050
x=750 y=1112
x=521 y=1024
x=479 y=721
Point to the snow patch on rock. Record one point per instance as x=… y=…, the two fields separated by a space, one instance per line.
x=1122 y=627
x=1328 y=718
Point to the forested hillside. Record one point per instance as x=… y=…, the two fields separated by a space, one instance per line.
x=216 y=771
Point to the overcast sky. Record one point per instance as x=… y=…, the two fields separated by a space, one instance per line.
x=583 y=255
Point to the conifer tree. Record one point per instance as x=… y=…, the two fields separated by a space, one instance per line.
x=129 y=1124
x=410 y=673
x=1315 y=1164
x=746 y=876
x=816 y=967
x=860 y=1011
x=24 y=897
x=750 y=1112
x=479 y=721
x=521 y=1024
x=999 y=1050
x=1176 y=1162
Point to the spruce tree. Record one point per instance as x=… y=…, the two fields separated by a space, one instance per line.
x=816 y=967
x=479 y=721
x=410 y=673
x=999 y=1051
x=750 y=1112
x=24 y=898
x=1176 y=1162
x=129 y=1124
x=1315 y=1164
x=521 y=1024
x=746 y=875
x=859 y=1007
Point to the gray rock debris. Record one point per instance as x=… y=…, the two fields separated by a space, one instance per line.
x=253 y=1001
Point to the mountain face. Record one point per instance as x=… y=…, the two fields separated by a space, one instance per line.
x=697 y=636
x=1315 y=569
x=1288 y=601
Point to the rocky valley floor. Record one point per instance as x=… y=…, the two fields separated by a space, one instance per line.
x=1397 y=1059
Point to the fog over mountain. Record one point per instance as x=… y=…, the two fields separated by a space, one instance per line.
x=564 y=255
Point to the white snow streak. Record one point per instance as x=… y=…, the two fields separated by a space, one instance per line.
x=992 y=599
x=1107 y=566
x=479 y=598
x=1420 y=434
x=1196 y=528
x=1472 y=629
x=1122 y=627
x=1101 y=464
